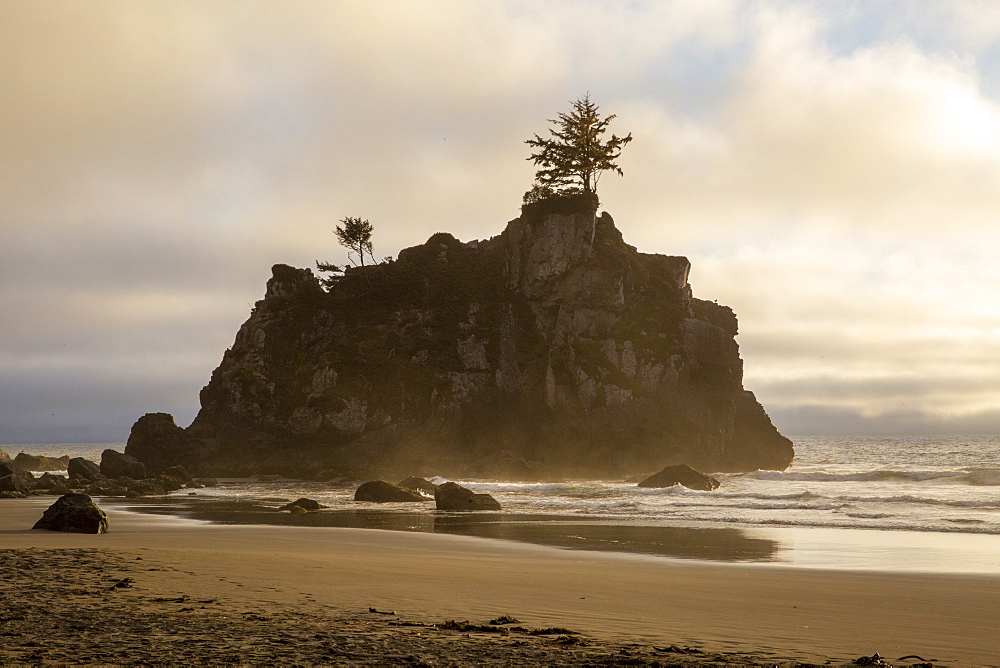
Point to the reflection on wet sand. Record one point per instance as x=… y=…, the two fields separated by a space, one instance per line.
x=713 y=544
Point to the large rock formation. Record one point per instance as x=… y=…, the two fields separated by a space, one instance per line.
x=552 y=349
x=117 y=465
x=30 y=462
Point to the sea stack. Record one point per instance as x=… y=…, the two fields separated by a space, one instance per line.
x=552 y=349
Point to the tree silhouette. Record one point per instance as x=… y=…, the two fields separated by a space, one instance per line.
x=574 y=157
x=356 y=236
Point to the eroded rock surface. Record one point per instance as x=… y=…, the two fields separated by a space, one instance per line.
x=74 y=512
x=553 y=349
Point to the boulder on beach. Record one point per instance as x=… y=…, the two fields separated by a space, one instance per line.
x=178 y=473
x=83 y=470
x=30 y=462
x=53 y=484
x=418 y=485
x=168 y=483
x=105 y=487
x=306 y=505
x=452 y=496
x=116 y=464
x=74 y=512
x=14 y=480
x=383 y=491
x=153 y=487
x=682 y=474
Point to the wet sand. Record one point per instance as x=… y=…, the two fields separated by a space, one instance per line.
x=222 y=593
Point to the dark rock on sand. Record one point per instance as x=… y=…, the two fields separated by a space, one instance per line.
x=41 y=462
x=452 y=496
x=168 y=483
x=115 y=464
x=152 y=487
x=11 y=486
x=418 y=485
x=303 y=503
x=178 y=473
x=382 y=491
x=14 y=480
x=74 y=512
x=53 y=484
x=681 y=474
x=105 y=487
x=83 y=470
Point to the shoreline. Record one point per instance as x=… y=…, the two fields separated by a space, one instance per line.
x=773 y=612
x=831 y=548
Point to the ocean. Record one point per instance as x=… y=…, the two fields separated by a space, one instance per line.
x=896 y=503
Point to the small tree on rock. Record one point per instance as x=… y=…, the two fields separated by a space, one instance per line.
x=575 y=155
x=356 y=236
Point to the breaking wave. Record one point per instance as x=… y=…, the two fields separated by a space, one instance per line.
x=969 y=476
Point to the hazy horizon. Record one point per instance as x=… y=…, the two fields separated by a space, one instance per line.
x=831 y=170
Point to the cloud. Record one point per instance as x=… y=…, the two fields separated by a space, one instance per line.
x=887 y=140
x=803 y=421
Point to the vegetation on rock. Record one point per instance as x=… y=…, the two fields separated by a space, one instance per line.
x=356 y=236
x=573 y=158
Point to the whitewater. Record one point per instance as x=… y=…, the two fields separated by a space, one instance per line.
x=915 y=483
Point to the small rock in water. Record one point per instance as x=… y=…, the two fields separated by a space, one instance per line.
x=681 y=474
x=74 y=512
x=382 y=491
x=303 y=504
x=452 y=496
x=418 y=485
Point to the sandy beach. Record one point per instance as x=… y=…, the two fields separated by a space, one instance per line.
x=194 y=593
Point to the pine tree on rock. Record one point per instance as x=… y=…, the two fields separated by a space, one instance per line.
x=573 y=158
x=356 y=236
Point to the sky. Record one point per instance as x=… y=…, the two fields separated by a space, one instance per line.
x=830 y=168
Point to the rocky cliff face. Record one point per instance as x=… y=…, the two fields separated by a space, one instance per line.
x=553 y=349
